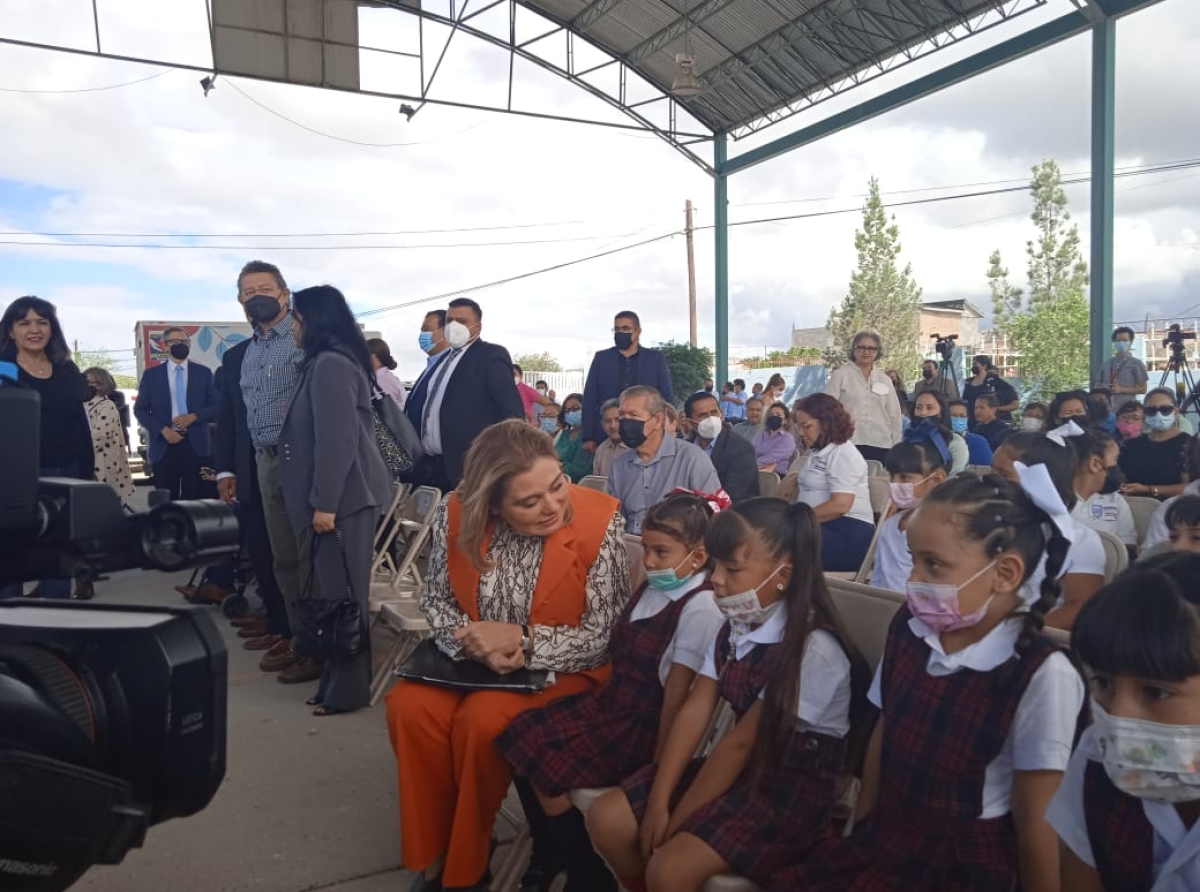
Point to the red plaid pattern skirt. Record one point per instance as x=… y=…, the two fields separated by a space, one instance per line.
x=1121 y=836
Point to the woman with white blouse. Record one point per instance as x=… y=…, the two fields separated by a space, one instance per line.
x=869 y=396
x=381 y=360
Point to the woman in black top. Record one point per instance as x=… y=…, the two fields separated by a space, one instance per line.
x=1153 y=463
x=31 y=337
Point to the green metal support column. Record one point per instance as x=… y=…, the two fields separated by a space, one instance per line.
x=721 y=253
x=1103 y=161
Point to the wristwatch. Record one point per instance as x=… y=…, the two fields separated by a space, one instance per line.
x=527 y=641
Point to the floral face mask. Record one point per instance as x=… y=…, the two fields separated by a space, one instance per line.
x=1149 y=760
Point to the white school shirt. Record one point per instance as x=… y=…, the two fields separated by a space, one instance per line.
x=837 y=467
x=1157 y=532
x=1175 y=865
x=1043 y=729
x=1107 y=513
x=699 y=622
x=893 y=560
x=824 y=702
x=1086 y=556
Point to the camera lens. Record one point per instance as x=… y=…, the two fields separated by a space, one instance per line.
x=178 y=534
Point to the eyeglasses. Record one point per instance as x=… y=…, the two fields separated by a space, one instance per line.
x=866 y=348
x=1159 y=410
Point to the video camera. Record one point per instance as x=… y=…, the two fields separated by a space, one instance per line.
x=1176 y=336
x=944 y=345
x=112 y=717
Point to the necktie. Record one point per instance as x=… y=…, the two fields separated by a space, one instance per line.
x=439 y=375
x=180 y=392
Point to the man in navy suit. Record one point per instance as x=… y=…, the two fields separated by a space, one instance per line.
x=618 y=368
x=177 y=401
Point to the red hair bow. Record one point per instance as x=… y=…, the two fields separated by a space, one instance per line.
x=718 y=501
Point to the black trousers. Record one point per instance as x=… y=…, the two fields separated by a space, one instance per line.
x=431 y=471
x=178 y=472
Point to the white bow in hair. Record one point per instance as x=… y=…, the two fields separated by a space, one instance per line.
x=1035 y=480
x=1063 y=432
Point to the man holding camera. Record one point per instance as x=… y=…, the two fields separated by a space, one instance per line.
x=1123 y=374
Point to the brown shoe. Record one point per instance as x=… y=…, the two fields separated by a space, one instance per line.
x=250 y=619
x=186 y=590
x=301 y=671
x=257 y=630
x=263 y=642
x=278 y=658
x=209 y=593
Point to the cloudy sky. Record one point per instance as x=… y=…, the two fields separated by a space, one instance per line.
x=157 y=159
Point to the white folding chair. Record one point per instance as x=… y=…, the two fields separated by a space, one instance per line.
x=981 y=470
x=1116 y=555
x=876 y=468
x=867 y=612
x=1143 y=509
x=768 y=483
x=596 y=482
x=880 y=491
x=416 y=518
x=403 y=618
x=386 y=532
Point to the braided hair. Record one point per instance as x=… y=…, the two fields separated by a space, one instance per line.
x=1001 y=517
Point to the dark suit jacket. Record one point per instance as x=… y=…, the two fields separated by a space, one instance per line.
x=154 y=410
x=233 y=450
x=736 y=465
x=480 y=393
x=329 y=457
x=604 y=383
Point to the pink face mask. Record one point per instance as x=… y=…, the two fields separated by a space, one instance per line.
x=936 y=604
x=904 y=495
x=1129 y=428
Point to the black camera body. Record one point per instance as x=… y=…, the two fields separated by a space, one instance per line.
x=112 y=718
x=944 y=346
x=1176 y=336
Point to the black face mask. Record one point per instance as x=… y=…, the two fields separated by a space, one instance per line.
x=927 y=374
x=262 y=309
x=1114 y=477
x=977 y=371
x=623 y=339
x=633 y=432
x=774 y=422
x=180 y=351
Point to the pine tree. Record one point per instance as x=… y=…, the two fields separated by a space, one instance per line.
x=882 y=297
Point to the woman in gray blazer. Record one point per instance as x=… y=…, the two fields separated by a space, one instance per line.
x=334 y=479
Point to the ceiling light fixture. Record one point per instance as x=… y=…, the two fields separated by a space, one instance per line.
x=208 y=83
x=686 y=84
x=408 y=111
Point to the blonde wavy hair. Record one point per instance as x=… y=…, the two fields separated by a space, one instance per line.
x=501 y=452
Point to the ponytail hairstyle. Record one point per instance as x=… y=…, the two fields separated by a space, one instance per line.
x=1059 y=459
x=791 y=531
x=683 y=516
x=1001 y=517
x=1094 y=443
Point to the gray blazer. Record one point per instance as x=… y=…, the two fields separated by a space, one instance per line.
x=328 y=454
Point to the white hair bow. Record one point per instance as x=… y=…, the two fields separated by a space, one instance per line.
x=1036 y=481
x=1063 y=432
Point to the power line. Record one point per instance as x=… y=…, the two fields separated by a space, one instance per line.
x=140 y=80
x=296 y=234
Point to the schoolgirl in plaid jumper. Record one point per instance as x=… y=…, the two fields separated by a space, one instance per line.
x=786 y=667
x=978 y=713
x=1128 y=805
x=596 y=738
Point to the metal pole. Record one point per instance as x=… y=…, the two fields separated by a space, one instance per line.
x=721 y=251
x=1103 y=161
x=691 y=264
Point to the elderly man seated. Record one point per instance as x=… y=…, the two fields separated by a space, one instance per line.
x=656 y=462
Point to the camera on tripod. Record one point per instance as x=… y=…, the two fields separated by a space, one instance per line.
x=112 y=717
x=1176 y=336
x=944 y=345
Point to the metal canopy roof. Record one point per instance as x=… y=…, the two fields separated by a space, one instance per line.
x=760 y=61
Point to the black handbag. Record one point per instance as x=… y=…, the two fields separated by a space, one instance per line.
x=329 y=628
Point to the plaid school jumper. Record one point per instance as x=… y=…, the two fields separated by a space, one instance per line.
x=1120 y=834
x=595 y=739
x=758 y=827
x=940 y=735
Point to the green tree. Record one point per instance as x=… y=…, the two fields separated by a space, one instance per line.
x=537 y=362
x=110 y=362
x=1048 y=326
x=783 y=358
x=883 y=297
x=688 y=365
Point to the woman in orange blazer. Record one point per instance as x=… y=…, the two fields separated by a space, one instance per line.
x=525 y=570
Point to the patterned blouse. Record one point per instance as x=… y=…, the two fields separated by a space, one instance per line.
x=505 y=591
x=108 y=442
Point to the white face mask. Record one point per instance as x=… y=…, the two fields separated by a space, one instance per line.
x=457 y=334
x=1149 y=760
x=1031 y=424
x=745 y=608
x=709 y=428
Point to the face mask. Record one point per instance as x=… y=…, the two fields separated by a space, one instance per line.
x=668 y=580
x=1031 y=424
x=1122 y=346
x=977 y=371
x=1160 y=422
x=633 y=432
x=262 y=309
x=623 y=340
x=1149 y=760
x=425 y=340
x=457 y=335
x=936 y=604
x=1113 y=478
x=927 y=374
x=550 y=425
x=92 y=390
x=904 y=495
x=958 y=425
x=1129 y=428
x=542 y=391
x=774 y=422
x=574 y=417
x=709 y=428
x=745 y=607
x=180 y=351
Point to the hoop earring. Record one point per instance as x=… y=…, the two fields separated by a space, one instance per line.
x=779 y=586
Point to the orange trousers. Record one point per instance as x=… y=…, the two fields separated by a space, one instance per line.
x=452 y=778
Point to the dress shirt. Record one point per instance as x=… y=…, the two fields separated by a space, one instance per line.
x=676 y=464
x=431 y=419
x=172 y=380
x=269 y=372
x=607 y=453
x=390 y=384
x=871 y=403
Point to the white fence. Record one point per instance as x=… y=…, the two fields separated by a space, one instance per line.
x=561 y=383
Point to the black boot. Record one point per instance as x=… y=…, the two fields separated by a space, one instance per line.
x=546 y=863
x=586 y=871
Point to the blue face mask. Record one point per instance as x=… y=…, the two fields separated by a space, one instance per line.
x=550 y=425
x=574 y=417
x=668 y=580
x=958 y=425
x=1121 y=346
x=425 y=339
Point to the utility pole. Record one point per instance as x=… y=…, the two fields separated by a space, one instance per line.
x=691 y=262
